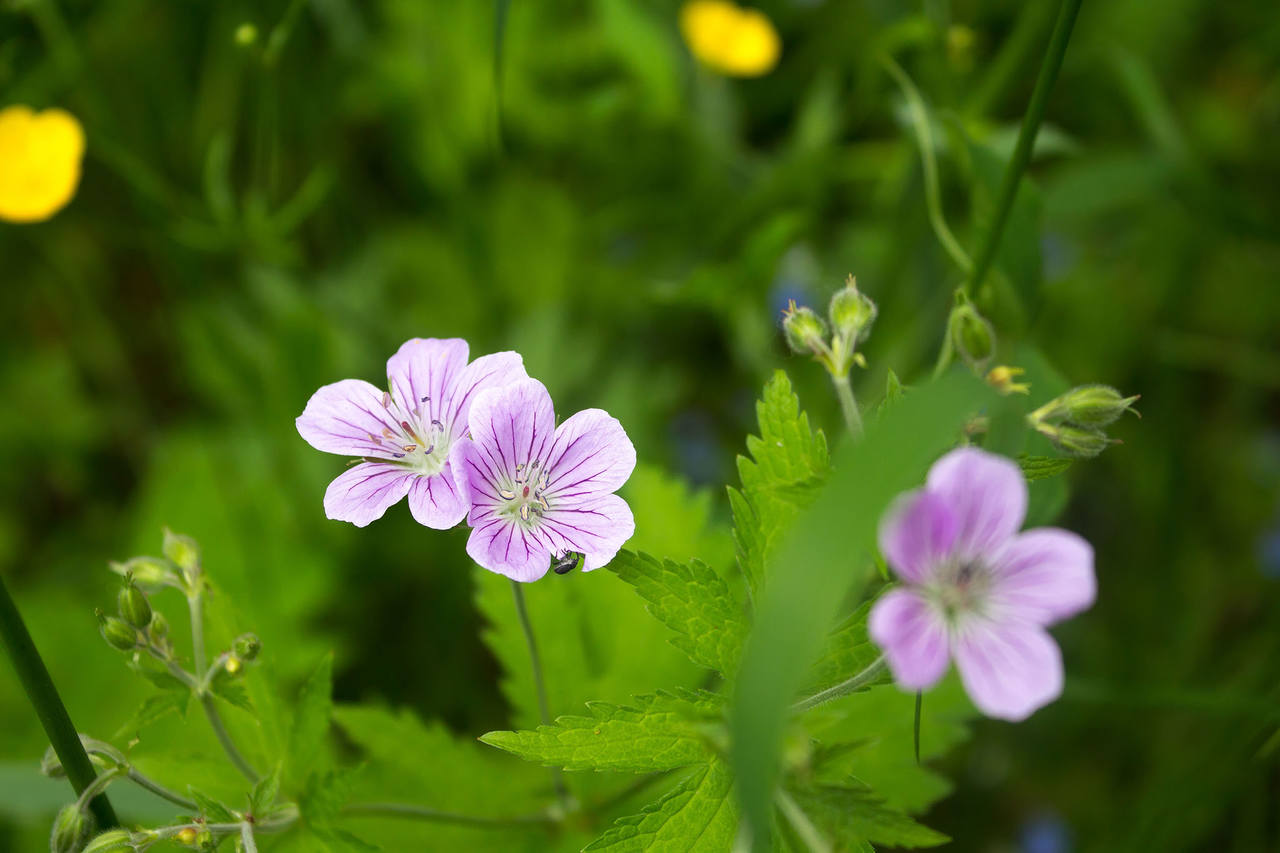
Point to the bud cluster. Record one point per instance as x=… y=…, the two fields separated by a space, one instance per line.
x=1075 y=421
x=851 y=314
x=971 y=335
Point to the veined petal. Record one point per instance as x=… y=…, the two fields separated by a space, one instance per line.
x=986 y=493
x=347 y=417
x=513 y=425
x=1009 y=669
x=591 y=455
x=597 y=527
x=422 y=372
x=488 y=371
x=913 y=636
x=916 y=533
x=362 y=494
x=1044 y=575
x=475 y=476
x=435 y=501
x=506 y=547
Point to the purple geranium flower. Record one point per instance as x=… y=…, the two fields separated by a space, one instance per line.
x=403 y=435
x=538 y=491
x=977 y=590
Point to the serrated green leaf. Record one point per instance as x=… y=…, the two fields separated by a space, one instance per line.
x=211 y=809
x=789 y=462
x=852 y=814
x=694 y=602
x=698 y=814
x=311 y=720
x=848 y=651
x=164 y=680
x=893 y=393
x=1042 y=467
x=154 y=708
x=232 y=692
x=325 y=795
x=663 y=731
x=265 y=792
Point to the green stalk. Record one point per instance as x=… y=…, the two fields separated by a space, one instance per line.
x=844 y=688
x=48 y=705
x=557 y=777
x=848 y=405
x=424 y=813
x=1026 y=141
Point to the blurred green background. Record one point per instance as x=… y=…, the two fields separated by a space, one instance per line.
x=256 y=220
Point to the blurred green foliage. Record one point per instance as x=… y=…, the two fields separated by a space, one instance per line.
x=257 y=220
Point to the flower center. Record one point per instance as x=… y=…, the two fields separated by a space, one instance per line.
x=422 y=448
x=960 y=587
x=525 y=498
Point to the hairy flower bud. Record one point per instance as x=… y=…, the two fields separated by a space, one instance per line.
x=159 y=627
x=246 y=647
x=1095 y=405
x=51 y=765
x=1081 y=442
x=971 y=335
x=183 y=551
x=851 y=313
x=112 y=841
x=71 y=829
x=804 y=330
x=149 y=572
x=134 y=607
x=118 y=633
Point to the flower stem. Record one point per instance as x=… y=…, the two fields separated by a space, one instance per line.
x=800 y=822
x=435 y=815
x=848 y=405
x=224 y=737
x=540 y=687
x=844 y=688
x=246 y=838
x=49 y=708
x=159 y=790
x=1026 y=139
x=195 y=602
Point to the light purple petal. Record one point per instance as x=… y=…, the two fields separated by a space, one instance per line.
x=597 y=527
x=475 y=476
x=913 y=636
x=503 y=546
x=362 y=494
x=916 y=533
x=513 y=425
x=987 y=495
x=488 y=371
x=1009 y=669
x=425 y=368
x=347 y=417
x=591 y=455
x=1044 y=575
x=435 y=501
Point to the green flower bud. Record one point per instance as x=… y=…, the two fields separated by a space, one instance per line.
x=183 y=551
x=804 y=330
x=971 y=335
x=852 y=312
x=1081 y=442
x=246 y=647
x=112 y=841
x=149 y=572
x=51 y=765
x=134 y=607
x=71 y=829
x=159 y=627
x=1095 y=405
x=118 y=633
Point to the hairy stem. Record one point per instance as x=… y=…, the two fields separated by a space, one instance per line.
x=1026 y=140
x=195 y=602
x=246 y=838
x=540 y=687
x=412 y=812
x=929 y=163
x=848 y=405
x=224 y=737
x=862 y=679
x=800 y=822
x=159 y=790
x=49 y=708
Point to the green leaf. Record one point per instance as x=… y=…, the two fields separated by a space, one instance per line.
x=853 y=813
x=162 y=679
x=848 y=652
x=789 y=461
x=893 y=393
x=154 y=708
x=663 y=731
x=698 y=814
x=694 y=602
x=265 y=792
x=1042 y=467
x=231 y=691
x=311 y=720
x=817 y=564
x=325 y=795
x=211 y=809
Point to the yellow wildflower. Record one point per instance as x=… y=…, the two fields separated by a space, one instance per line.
x=1001 y=378
x=40 y=157
x=729 y=39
